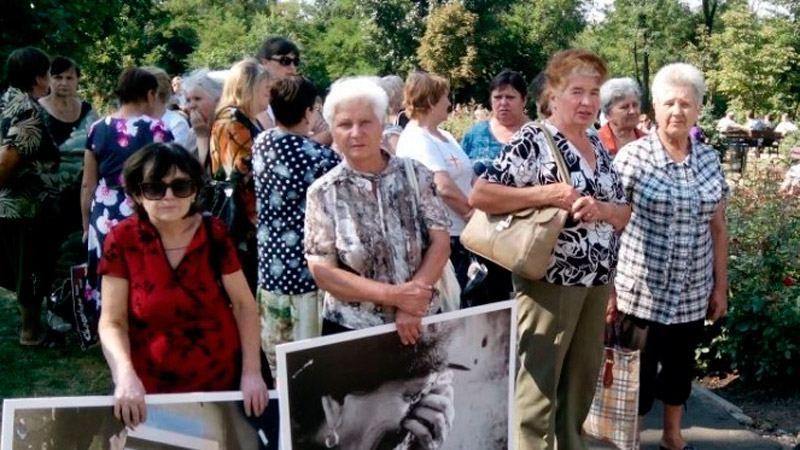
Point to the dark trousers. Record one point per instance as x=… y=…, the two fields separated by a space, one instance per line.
x=672 y=347
x=495 y=287
x=330 y=327
x=27 y=259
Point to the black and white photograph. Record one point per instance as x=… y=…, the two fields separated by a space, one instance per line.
x=364 y=389
x=198 y=421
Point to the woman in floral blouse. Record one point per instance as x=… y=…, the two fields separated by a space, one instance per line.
x=111 y=141
x=561 y=316
x=244 y=95
x=28 y=163
x=372 y=244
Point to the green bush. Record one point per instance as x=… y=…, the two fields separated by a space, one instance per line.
x=759 y=338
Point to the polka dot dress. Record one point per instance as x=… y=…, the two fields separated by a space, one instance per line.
x=284 y=166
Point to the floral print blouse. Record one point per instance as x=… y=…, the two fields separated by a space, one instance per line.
x=366 y=224
x=586 y=252
x=34 y=181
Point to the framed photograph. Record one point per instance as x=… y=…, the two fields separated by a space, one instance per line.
x=198 y=421
x=453 y=389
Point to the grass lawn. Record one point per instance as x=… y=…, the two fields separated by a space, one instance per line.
x=43 y=372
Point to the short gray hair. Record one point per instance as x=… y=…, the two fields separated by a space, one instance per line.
x=393 y=85
x=617 y=89
x=200 y=79
x=350 y=89
x=679 y=74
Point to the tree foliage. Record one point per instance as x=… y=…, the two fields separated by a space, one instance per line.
x=448 y=45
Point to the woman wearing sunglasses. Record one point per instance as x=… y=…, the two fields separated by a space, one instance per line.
x=111 y=141
x=177 y=315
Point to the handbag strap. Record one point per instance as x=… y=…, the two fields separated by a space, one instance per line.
x=557 y=156
x=408 y=166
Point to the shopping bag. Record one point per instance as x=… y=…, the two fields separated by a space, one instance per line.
x=614 y=415
x=84 y=308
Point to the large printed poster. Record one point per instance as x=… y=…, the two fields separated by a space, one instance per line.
x=199 y=421
x=365 y=390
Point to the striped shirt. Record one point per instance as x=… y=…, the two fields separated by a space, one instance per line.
x=665 y=271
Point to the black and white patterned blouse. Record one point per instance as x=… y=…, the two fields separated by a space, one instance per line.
x=586 y=252
x=284 y=166
x=666 y=257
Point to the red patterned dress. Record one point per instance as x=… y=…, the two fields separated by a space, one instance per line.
x=183 y=335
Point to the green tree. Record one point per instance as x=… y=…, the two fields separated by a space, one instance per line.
x=448 y=45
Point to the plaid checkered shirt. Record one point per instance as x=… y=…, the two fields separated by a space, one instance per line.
x=665 y=269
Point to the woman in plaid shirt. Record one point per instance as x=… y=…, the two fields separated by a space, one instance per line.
x=672 y=273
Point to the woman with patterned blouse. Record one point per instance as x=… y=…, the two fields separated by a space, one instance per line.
x=28 y=163
x=372 y=244
x=244 y=95
x=111 y=141
x=673 y=271
x=561 y=316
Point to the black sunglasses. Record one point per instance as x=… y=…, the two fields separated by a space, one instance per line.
x=286 y=60
x=156 y=190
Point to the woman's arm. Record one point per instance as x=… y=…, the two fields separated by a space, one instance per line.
x=434 y=259
x=113 y=330
x=88 y=185
x=451 y=194
x=254 y=390
x=495 y=198
x=718 y=304
x=9 y=158
x=588 y=209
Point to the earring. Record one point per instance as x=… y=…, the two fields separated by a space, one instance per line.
x=332 y=439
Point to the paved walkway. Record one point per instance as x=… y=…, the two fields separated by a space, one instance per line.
x=707 y=426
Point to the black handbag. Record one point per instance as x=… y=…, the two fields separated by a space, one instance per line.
x=219 y=198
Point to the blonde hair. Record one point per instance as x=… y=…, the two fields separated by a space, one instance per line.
x=164 y=91
x=241 y=84
x=422 y=92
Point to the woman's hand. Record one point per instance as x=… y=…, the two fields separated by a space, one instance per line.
x=611 y=308
x=431 y=419
x=200 y=124
x=255 y=393
x=563 y=195
x=409 y=327
x=587 y=209
x=717 y=304
x=413 y=297
x=129 y=404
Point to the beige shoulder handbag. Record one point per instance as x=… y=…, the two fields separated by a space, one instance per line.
x=522 y=241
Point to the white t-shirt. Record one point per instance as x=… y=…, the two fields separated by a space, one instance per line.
x=182 y=133
x=786 y=128
x=419 y=144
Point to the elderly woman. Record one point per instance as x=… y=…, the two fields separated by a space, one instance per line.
x=427 y=103
x=28 y=163
x=561 y=316
x=393 y=86
x=177 y=313
x=285 y=163
x=363 y=400
x=202 y=94
x=674 y=252
x=68 y=117
x=486 y=139
x=620 y=100
x=244 y=95
x=373 y=244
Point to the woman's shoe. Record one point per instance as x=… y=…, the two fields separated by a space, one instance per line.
x=32 y=339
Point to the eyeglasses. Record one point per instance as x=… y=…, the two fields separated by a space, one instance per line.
x=286 y=60
x=156 y=190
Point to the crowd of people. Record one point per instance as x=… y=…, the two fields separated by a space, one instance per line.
x=347 y=211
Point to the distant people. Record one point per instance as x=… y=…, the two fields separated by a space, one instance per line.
x=176 y=122
x=754 y=123
x=427 y=102
x=393 y=86
x=728 y=123
x=373 y=244
x=480 y=113
x=673 y=259
x=244 y=96
x=620 y=101
x=486 y=139
x=281 y=58
x=28 y=162
x=68 y=117
x=561 y=316
x=202 y=96
x=285 y=163
x=177 y=312
x=785 y=126
x=645 y=124
x=178 y=93
x=768 y=121
x=540 y=102
x=111 y=141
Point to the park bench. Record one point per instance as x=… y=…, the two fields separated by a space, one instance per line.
x=741 y=142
